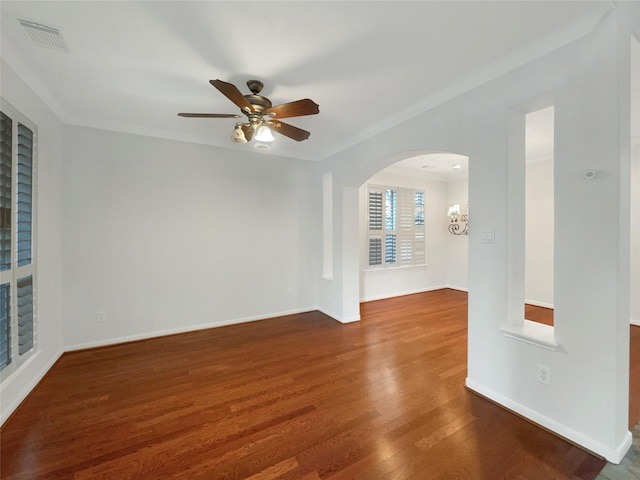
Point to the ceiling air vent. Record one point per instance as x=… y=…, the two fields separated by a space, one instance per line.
x=44 y=36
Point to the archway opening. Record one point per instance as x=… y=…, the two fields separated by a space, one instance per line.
x=406 y=245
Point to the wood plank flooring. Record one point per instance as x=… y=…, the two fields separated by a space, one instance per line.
x=300 y=397
x=634 y=378
x=538 y=314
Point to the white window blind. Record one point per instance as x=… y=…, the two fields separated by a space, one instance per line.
x=6 y=146
x=17 y=265
x=24 y=198
x=25 y=314
x=5 y=325
x=398 y=239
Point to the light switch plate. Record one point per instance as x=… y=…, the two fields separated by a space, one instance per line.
x=488 y=236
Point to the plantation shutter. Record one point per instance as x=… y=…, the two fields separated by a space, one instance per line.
x=375 y=251
x=405 y=231
x=375 y=210
x=390 y=248
x=25 y=314
x=18 y=280
x=390 y=207
x=375 y=227
x=419 y=256
x=5 y=325
x=25 y=195
x=398 y=238
x=419 y=211
x=6 y=134
x=390 y=225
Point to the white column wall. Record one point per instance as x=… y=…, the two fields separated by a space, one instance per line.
x=587 y=400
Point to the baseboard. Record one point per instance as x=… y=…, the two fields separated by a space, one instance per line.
x=611 y=454
x=339 y=318
x=538 y=304
x=7 y=410
x=635 y=322
x=191 y=328
x=402 y=293
x=455 y=287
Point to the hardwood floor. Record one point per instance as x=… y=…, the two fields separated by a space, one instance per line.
x=634 y=378
x=300 y=397
x=538 y=314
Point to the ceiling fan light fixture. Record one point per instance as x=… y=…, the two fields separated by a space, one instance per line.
x=264 y=134
x=237 y=136
x=259 y=113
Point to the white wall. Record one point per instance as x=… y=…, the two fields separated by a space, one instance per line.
x=166 y=236
x=539 y=246
x=457 y=245
x=587 y=400
x=390 y=282
x=48 y=325
x=539 y=208
x=635 y=181
x=635 y=235
x=539 y=242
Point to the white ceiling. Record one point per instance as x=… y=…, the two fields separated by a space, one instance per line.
x=132 y=66
x=434 y=166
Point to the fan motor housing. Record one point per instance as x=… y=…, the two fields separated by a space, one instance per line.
x=259 y=102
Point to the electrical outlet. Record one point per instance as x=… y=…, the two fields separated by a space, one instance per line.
x=101 y=316
x=287 y=293
x=543 y=374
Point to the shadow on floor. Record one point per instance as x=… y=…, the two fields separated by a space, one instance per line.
x=629 y=468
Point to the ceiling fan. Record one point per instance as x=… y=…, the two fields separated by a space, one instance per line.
x=261 y=116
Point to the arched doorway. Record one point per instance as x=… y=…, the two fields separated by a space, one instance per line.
x=404 y=243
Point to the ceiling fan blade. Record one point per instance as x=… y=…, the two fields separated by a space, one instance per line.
x=248 y=131
x=289 y=130
x=209 y=115
x=298 y=108
x=230 y=91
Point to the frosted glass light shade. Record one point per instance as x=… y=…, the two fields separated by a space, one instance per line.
x=237 y=136
x=264 y=134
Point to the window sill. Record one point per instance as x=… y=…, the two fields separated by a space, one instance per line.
x=532 y=333
x=386 y=269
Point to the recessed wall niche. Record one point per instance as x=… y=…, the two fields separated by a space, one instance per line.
x=539 y=215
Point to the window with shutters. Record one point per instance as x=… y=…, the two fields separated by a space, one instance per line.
x=395 y=226
x=17 y=265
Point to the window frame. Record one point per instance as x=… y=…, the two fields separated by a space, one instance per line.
x=404 y=240
x=17 y=273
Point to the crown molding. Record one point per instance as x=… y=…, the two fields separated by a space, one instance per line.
x=13 y=59
x=184 y=137
x=560 y=38
x=498 y=68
